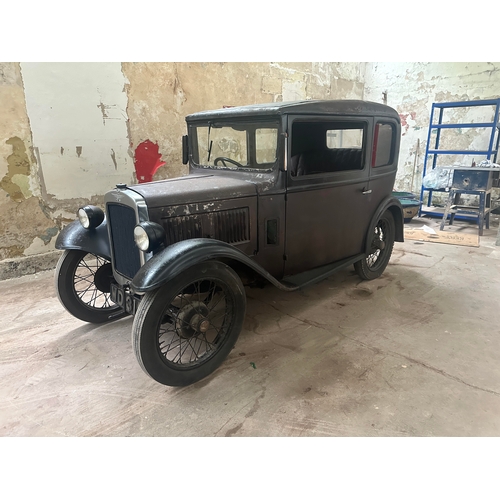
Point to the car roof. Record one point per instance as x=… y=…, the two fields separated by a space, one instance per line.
x=317 y=107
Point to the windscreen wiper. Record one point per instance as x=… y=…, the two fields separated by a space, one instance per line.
x=209 y=142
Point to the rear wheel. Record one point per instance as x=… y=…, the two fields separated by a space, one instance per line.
x=184 y=330
x=374 y=264
x=83 y=282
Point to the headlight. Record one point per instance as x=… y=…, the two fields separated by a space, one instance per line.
x=148 y=236
x=90 y=217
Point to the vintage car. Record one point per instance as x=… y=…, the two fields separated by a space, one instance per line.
x=286 y=193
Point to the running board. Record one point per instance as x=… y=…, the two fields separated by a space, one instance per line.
x=307 y=278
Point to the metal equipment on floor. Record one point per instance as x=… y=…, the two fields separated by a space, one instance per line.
x=470 y=181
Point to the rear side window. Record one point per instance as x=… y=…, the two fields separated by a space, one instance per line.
x=383 y=142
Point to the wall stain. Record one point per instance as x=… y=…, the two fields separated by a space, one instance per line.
x=49 y=234
x=16 y=180
x=113 y=157
x=12 y=252
x=103 y=108
x=78 y=151
x=20 y=224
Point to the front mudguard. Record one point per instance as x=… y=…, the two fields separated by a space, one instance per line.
x=178 y=257
x=76 y=237
x=390 y=203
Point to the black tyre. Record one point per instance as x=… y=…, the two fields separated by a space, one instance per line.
x=374 y=264
x=83 y=285
x=184 y=330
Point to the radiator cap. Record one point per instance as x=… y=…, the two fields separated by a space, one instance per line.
x=121 y=186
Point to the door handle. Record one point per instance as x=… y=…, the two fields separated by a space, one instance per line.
x=366 y=192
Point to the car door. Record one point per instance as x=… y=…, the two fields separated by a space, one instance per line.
x=384 y=161
x=328 y=190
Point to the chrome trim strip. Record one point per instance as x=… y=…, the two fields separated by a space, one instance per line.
x=286 y=151
x=129 y=198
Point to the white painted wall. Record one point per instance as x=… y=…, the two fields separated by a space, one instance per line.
x=78 y=105
x=413 y=87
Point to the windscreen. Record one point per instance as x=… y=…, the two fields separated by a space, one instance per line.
x=236 y=145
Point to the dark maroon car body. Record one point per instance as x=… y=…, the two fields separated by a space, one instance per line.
x=283 y=192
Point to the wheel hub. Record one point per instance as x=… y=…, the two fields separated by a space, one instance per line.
x=378 y=244
x=103 y=278
x=192 y=320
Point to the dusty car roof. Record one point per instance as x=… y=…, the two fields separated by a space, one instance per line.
x=330 y=107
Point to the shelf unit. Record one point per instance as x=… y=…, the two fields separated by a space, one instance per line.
x=432 y=149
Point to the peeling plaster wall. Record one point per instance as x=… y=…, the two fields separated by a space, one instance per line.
x=160 y=95
x=24 y=225
x=412 y=88
x=78 y=120
x=68 y=131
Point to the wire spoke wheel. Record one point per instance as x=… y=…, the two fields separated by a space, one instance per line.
x=83 y=282
x=183 y=331
x=90 y=283
x=195 y=322
x=378 y=246
x=382 y=243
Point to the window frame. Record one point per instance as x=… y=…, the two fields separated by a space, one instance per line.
x=254 y=125
x=340 y=176
x=375 y=144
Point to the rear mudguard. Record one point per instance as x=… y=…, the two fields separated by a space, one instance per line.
x=76 y=237
x=390 y=203
x=180 y=256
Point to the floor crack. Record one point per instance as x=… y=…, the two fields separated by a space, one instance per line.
x=421 y=363
x=391 y=353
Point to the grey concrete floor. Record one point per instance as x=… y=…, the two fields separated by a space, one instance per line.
x=413 y=353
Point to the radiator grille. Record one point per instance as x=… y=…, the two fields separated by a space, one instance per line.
x=231 y=226
x=122 y=220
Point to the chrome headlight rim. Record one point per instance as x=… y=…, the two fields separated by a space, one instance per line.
x=149 y=236
x=90 y=216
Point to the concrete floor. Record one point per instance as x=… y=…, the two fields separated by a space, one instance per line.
x=413 y=353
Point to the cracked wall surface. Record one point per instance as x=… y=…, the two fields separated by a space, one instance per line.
x=78 y=120
x=413 y=87
x=23 y=222
x=70 y=131
x=160 y=95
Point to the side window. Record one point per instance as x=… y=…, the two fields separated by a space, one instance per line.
x=344 y=138
x=265 y=145
x=383 y=141
x=327 y=147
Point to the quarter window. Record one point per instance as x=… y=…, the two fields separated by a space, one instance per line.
x=382 y=145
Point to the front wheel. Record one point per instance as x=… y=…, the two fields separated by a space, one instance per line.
x=374 y=264
x=184 y=330
x=83 y=282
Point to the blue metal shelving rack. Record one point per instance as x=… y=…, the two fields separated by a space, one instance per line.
x=432 y=150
